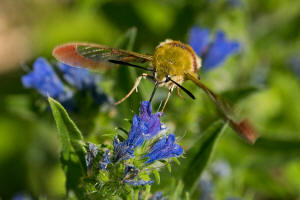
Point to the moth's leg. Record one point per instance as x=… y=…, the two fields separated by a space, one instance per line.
x=136 y=84
x=167 y=99
x=179 y=94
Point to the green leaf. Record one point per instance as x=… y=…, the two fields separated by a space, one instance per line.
x=279 y=146
x=200 y=154
x=169 y=167
x=136 y=194
x=156 y=175
x=176 y=160
x=71 y=136
x=238 y=94
x=187 y=196
x=73 y=150
x=126 y=41
x=178 y=191
x=147 y=192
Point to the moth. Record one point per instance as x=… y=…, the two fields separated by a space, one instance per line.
x=172 y=63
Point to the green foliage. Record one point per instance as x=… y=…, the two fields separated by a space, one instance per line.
x=72 y=148
x=200 y=154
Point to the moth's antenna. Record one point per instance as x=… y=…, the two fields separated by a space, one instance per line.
x=153 y=92
x=181 y=87
x=131 y=65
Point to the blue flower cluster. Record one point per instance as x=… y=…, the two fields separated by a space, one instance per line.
x=145 y=126
x=213 y=53
x=44 y=79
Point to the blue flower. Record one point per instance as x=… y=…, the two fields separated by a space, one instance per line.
x=294 y=64
x=213 y=53
x=164 y=148
x=105 y=161
x=207 y=187
x=122 y=151
x=91 y=154
x=158 y=196
x=44 y=79
x=83 y=79
x=130 y=172
x=21 y=196
x=199 y=39
x=138 y=182
x=144 y=127
x=235 y=3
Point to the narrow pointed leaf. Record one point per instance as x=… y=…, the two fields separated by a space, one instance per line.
x=169 y=167
x=71 y=137
x=147 y=193
x=238 y=94
x=178 y=191
x=200 y=154
x=126 y=41
x=176 y=160
x=72 y=152
x=157 y=176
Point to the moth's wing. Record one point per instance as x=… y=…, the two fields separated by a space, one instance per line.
x=95 y=56
x=243 y=127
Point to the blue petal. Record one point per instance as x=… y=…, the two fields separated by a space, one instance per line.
x=44 y=79
x=164 y=148
x=144 y=126
x=79 y=77
x=199 y=39
x=105 y=161
x=21 y=196
x=83 y=79
x=138 y=182
x=122 y=151
x=158 y=196
x=91 y=154
x=219 y=50
x=130 y=171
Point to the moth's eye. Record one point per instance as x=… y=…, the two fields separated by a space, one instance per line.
x=168 y=78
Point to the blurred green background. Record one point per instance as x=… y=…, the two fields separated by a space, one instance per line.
x=267 y=70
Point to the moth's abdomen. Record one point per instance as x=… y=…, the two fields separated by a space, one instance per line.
x=174 y=58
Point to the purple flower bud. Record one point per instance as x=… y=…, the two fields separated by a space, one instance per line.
x=164 y=148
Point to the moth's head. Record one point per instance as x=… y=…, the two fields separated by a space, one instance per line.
x=174 y=58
